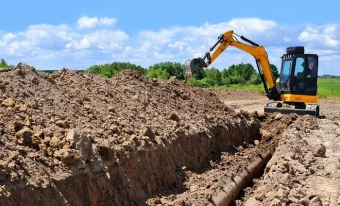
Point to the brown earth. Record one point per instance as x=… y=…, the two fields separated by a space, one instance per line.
x=73 y=139
x=201 y=186
x=304 y=169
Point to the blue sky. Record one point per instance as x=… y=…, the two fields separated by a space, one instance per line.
x=76 y=34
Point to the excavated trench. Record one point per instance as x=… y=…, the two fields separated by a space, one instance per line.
x=229 y=176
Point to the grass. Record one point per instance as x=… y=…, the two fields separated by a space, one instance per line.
x=327 y=87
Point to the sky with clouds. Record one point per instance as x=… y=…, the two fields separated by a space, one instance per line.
x=76 y=34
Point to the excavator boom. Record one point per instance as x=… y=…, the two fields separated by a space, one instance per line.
x=229 y=38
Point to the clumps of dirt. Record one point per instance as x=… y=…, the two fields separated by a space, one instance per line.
x=70 y=138
x=304 y=168
x=202 y=187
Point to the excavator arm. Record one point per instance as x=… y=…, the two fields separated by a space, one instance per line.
x=229 y=38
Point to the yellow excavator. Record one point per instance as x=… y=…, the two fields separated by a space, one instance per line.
x=295 y=91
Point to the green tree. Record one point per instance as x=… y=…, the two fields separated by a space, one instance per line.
x=171 y=69
x=209 y=81
x=200 y=74
x=243 y=70
x=110 y=70
x=274 y=71
x=157 y=73
x=198 y=83
x=237 y=74
x=255 y=79
x=214 y=74
x=225 y=79
x=4 y=64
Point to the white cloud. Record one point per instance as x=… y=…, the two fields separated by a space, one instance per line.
x=92 y=22
x=93 y=40
x=161 y=37
x=102 y=39
x=327 y=35
x=286 y=39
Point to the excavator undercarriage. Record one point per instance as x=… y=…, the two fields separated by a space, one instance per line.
x=288 y=108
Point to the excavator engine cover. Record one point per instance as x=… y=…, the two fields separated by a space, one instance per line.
x=295 y=50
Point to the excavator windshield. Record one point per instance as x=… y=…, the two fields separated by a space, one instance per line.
x=286 y=68
x=299 y=74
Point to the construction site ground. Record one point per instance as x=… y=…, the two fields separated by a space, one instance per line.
x=73 y=139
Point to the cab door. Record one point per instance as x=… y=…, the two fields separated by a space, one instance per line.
x=304 y=75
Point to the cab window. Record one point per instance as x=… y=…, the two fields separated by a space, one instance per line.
x=287 y=64
x=299 y=68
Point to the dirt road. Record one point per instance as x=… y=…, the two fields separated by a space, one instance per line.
x=254 y=101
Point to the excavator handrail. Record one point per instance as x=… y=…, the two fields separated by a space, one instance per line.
x=257 y=51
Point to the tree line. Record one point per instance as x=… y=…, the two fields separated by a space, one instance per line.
x=4 y=64
x=243 y=73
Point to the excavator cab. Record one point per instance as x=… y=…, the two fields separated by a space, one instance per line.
x=297 y=84
x=299 y=72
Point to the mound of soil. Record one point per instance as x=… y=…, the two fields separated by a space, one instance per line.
x=304 y=168
x=74 y=139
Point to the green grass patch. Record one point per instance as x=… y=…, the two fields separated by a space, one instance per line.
x=329 y=87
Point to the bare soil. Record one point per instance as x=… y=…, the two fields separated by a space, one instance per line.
x=304 y=169
x=202 y=185
x=72 y=139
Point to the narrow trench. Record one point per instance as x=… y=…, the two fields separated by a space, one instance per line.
x=244 y=182
x=230 y=177
x=251 y=183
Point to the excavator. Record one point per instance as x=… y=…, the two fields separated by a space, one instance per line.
x=294 y=91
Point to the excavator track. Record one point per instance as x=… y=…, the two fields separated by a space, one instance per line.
x=284 y=108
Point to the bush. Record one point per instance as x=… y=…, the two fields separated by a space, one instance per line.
x=237 y=79
x=157 y=73
x=197 y=83
x=255 y=79
x=109 y=70
x=209 y=81
x=165 y=70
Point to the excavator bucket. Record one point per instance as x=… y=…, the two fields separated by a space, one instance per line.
x=192 y=66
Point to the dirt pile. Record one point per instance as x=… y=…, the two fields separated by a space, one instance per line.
x=305 y=167
x=74 y=139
